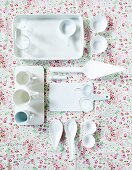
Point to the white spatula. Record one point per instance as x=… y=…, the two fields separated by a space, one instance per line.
x=92 y=69
x=71 y=130
x=55 y=130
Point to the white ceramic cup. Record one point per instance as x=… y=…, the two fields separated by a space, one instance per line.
x=88 y=127
x=88 y=141
x=25 y=78
x=23 y=97
x=23 y=116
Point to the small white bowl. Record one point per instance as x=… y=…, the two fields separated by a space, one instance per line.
x=98 y=24
x=88 y=141
x=89 y=127
x=98 y=44
x=87 y=90
x=86 y=105
x=67 y=27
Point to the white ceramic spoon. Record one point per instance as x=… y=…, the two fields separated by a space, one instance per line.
x=71 y=130
x=55 y=130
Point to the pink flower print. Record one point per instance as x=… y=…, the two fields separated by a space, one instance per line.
x=85 y=14
x=87 y=161
x=1 y=24
x=56 y=166
x=1 y=166
x=44 y=1
x=3 y=134
x=5 y=120
x=125 y=135
x=112 y=134
x=79 y=144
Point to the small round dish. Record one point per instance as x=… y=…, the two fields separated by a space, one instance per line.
x=22 y=42
x=86 y=104
x=89 y=127
x=87 y=90
x=98 y=44
x=88 y=141
x=67 y=27
x=98 y=23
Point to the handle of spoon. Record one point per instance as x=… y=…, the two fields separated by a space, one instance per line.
x=71 y=149
x=66 y=69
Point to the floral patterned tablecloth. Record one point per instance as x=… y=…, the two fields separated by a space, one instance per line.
x=29 y=147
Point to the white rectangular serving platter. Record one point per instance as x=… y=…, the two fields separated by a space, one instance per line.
x=46 y=40
x=38 y=86
x=66 y=96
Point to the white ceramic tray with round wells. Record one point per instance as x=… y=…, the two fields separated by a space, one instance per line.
x=48 y=37
x=37 y=86
x=69 y=96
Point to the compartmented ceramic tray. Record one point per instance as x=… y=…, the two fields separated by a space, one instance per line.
x=67 y=97
x=37 y=86
x=48 y=37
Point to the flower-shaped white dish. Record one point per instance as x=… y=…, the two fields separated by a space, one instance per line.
x=88 y=127
x=98 y=23
x=88 y=141
x=98 y=44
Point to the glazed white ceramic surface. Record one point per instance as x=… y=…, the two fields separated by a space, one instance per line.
x=34 y=92
x=25 y=78
x=24 y=97
x=67 y=27
x=71 y=130
x=55 y=130
x=92 y=69
x=88 y=141
x=88 y=127
x=98 y=44
x=43 y=37
x=98 y=23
